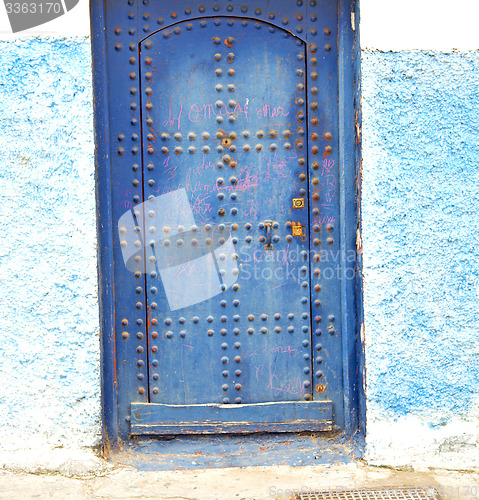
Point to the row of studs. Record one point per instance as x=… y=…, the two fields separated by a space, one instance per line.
x=210 y=332
x=315 y=151
x=300 y=101
x=209 y=241
x=210 y=319
x=216 y=8
x=205 y=135
x=175 y=16
x=221 y=134
x=207 y=149
x=248 y=239
x=209 y=227
x=232 y=163
x=127 y=60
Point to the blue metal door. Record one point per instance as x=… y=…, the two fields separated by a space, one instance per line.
x=224 y=129
x=224 y=132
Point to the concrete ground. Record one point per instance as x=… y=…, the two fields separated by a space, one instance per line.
x=258 y=483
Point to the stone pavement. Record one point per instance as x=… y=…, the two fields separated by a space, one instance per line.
x=259 y=483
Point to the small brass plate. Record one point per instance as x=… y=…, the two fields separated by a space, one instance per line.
x=297 y=229
x=298 y=203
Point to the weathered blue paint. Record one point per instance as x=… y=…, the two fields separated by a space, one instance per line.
x=251 y=339
x=109 y=410
x=349 y=81
x=49 y=394
x=283 y=416
x=338 y=366
x=262 y=450
x=420 y=234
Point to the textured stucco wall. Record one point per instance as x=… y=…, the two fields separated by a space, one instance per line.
x=49 y=328
x=420 y=230
x=420 y=240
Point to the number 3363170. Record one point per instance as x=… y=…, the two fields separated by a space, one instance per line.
x=33 y=8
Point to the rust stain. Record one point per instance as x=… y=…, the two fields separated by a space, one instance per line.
x=106 y=448
x=263 y=448
x=114 y=344
x=114 y=368
x=358 y=128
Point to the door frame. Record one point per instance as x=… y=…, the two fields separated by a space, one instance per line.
x=350 y=222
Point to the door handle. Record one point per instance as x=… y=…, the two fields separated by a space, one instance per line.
x=268 y=226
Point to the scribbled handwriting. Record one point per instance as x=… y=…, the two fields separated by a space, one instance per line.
x=266 y=375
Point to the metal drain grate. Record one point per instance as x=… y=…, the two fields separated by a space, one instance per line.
x=371 y=494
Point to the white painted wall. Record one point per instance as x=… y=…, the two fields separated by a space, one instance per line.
x=419 y=24
x=385 y=24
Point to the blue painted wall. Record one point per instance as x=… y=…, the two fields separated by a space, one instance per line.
x=420 y=231
x=420 y=201
x=49 y=395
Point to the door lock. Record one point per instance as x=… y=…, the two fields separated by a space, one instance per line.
x=297 y=230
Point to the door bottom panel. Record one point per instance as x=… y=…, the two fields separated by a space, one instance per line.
x=163 y=419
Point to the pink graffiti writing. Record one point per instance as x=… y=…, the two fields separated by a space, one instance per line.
x=287 y=350
x=324 y=219
x=328 y=165
x=200 y=205
x=271 y=380
x=267 y=111
x=208 y=110
x=170 y=121
x=169 y=169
